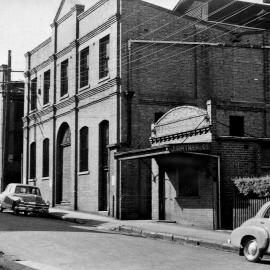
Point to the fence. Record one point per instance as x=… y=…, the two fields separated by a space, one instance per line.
x=245 y=208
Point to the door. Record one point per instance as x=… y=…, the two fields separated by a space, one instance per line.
x=169 y=199
x=66 y=174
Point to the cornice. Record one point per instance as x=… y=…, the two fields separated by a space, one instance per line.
x=65 y=51
x=92 y=9
x=180 y=135
x=96 y=90
x=65 y=103
x=98 y=30
x=41 y=66
x=41 y=45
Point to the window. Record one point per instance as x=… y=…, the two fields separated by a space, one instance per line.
x=64 y=77
x=84 y=149
x=158 y=115
x=188 y=181
x=237 y=126
x=33 y=94
x=33 y=160
x=27 y=190
x=46 y=86
x=45 y=160
x=267 y=213
x=84 y=67
x=104 y=56
x=265 y=159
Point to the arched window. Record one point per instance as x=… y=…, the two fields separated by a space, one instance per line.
x=32 y=160
x=45 y=160
x=84 y=149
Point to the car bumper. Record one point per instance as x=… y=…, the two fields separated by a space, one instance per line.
x=33 y=209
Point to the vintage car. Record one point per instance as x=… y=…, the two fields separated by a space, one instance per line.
x=23 y=198
x=253 y=236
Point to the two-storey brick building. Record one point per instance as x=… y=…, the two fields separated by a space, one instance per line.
x=111 y=70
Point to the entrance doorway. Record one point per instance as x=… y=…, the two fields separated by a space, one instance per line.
x=63 y=190
x=104 y=185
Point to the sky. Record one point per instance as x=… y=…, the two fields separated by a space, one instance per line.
x=26 y=23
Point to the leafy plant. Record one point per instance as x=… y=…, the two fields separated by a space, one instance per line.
x=259 y=186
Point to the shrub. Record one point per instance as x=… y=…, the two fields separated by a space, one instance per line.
x=259 y=186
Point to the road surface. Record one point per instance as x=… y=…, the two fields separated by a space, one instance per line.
x=49 y=244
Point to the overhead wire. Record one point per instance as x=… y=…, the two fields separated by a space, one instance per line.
x=196 y=46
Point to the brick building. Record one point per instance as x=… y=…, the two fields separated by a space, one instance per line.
x=11 y=133
x=111 y=70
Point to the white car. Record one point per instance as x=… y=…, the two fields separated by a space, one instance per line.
x=23 y=198
x=253 y=236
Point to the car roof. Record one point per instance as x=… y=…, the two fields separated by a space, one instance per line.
x=22 y=185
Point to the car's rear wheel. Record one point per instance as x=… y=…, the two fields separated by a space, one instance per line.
x=1 y=209
x=251 y=250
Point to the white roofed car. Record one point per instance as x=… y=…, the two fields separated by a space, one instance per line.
x=253 y=236
x=23 y=198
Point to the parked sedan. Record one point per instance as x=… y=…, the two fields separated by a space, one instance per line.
x=23 y=198
x=253 y=236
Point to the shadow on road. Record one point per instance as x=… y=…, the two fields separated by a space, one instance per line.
x=11 y=222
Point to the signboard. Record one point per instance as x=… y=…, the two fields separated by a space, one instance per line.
x=192 y=147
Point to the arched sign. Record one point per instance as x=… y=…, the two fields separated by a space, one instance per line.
x=184 y=124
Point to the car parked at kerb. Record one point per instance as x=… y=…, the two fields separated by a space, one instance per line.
x=23 y=198
x=253 y=236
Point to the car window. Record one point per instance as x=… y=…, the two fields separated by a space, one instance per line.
x=27 y=190
x=267 y=213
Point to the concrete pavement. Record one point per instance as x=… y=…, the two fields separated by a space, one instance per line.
x=52 y=244
x=150 y=229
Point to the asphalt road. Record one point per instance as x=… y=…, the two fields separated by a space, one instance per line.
x=49 y=244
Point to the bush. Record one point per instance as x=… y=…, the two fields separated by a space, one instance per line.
x=259 y=186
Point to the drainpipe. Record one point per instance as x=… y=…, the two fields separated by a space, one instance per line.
x=76 y=117
x=129 y=94
x=28 y=74
x=266 y=78
x=54 y=117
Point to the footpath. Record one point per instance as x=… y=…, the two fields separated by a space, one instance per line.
x=173 y=232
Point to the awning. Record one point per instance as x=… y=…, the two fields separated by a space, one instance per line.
x=163 y=150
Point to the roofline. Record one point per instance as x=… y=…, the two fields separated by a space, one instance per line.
x=38 y=47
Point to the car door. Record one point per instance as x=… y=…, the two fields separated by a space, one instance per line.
x=265 y=221
x=7 y=201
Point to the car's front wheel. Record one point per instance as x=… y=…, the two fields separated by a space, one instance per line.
x=251 y=250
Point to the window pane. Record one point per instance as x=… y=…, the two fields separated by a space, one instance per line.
x=33 y=160
x=45 y=168
x=237 y=126
x=64 y=77
x=33 y=94
x=47 y=81
x=84 y=149
x=84 y=67
x=104 y=50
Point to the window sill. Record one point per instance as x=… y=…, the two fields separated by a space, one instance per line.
x=84 y=173
x=84 y=87
x=45 y=178
x=32 y=111
x=46 y=105
x=104 y=79
x=187 y=197
x=64 y=96
x=32 y=180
